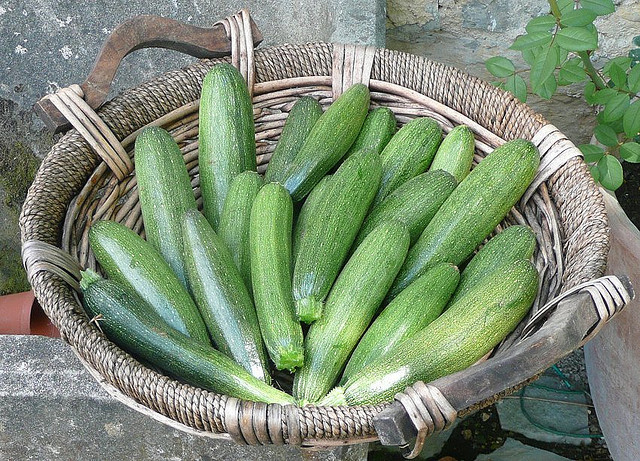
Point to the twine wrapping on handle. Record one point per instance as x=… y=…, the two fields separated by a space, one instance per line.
x=41 y=256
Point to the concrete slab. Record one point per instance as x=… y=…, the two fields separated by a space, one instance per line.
x=51 y=408
x=512 y=450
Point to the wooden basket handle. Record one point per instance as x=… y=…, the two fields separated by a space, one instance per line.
x=568 y=327
x=145 y=31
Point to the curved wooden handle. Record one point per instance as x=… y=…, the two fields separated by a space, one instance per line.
x=565 y=331
x=143 y=32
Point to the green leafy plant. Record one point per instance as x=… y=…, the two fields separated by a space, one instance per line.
x=558 y=48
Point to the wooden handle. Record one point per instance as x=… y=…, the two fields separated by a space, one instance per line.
x=564 y=332
x=134 y=34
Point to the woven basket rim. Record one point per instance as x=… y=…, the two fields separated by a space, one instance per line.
x=36 y=223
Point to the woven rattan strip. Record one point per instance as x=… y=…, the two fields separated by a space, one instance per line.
x=71 y=191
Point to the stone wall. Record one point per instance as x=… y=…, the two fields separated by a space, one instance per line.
x=464 y=33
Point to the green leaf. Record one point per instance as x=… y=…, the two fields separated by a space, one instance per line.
x=541 y=24
x=606 y=135
x=566 y=5
x=630 y=151
x=548 y=87
x=635 y=54
x=577 y=39
x=593 y=169
x=618 y=75
x=517 y=86
x=528 y=41
x=589 y=93
x=604 y=95
x=636 y=40
x=499 y=66
x=543 y=66
x=631 y=119
x=633 y=79
x=621 y=61
x=577 y=18
x=610 y=172
x=599 y=7
x=591 y=152
x=572 y=72
x=616 y=107
x=530 y=55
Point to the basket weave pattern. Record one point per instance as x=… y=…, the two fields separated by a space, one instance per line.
x=73 y=189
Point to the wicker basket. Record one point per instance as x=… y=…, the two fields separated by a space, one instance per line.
x=88 y=175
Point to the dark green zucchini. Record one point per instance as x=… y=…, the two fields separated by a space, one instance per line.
x=352 y=303
x=222 y=297
x=328 y=141
x=234 y=221
x=132 y=324
x=226 y=135
x=472 y=210
x=330 y=231
x=376 y=132
x=303 y=115
x=455 y=153
x=270 y=239
x=126 y=258
x=165 y=194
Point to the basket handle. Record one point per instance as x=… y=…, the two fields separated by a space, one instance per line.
x=146 y=31
x=573 y=321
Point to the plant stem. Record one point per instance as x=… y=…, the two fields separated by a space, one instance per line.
x=584 y=56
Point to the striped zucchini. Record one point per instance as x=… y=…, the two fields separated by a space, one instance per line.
x=303 y=115
x=131 y=261
x=412 y=310
x=329 y=233
x=457 y=339
x=328 y=141
x=235 y=217
x=165 y=194
x=132 y=324
x=513 y=243
x=351 y=305
x=472 y=210
x=222 y=297
x=227 y=136
x=270 y=241
x=413 y=203
x=455 y=153
x=408 y=154
x=376 y=132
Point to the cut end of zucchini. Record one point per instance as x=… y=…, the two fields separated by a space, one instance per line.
x=334 y=398
x=289 y=358
x=309 y=309
x=88 y=277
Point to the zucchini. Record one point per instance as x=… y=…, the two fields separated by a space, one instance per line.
x=350 y=306
x=455 y=153
x=408 y=154
x=132 y=324
x=329 y=232
x=513 y=243
x=328 y=141
x=222 y=297
x=226 y=135
x=412 y=310
x=376 y=132
x=165 y=194
x=413 y=203
x=306 y=211
x=235 y=217
x=270 y=242
x=472 y=210
x=303 y=115
x=457 y=339
x=131 y=261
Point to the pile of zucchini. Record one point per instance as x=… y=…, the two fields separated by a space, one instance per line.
x=353 y=263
